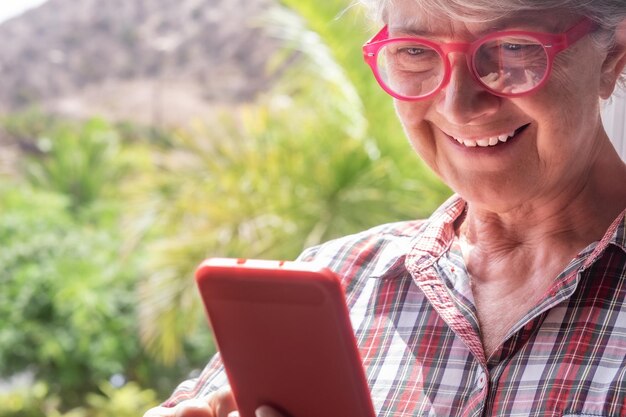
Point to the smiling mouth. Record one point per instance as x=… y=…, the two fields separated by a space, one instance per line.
x=490 y=141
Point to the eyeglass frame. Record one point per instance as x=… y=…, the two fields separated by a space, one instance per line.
x=552 y=43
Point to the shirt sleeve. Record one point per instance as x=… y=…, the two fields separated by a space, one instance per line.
x=212 y=378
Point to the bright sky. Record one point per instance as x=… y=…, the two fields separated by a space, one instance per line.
x=10 y=8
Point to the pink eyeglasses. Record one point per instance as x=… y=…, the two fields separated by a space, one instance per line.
x=508 y=63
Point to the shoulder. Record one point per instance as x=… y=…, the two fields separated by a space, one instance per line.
x=381 y=251
x=363 y=243
x=371 y=253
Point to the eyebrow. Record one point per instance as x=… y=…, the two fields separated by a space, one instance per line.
x=409 y=30
x=411 y=26
x=529 y=23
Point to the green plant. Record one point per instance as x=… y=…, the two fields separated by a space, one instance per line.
x=81 y=161
x=67 y=301
x=34 y=401
x=300 y=166
x=28 y=125
x=130 y=400
x=70 y=267
x=320 y=156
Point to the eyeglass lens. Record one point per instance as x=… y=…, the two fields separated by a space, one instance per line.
x=506 y=65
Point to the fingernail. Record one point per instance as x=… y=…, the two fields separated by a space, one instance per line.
x=233 y=414
x=265 y=411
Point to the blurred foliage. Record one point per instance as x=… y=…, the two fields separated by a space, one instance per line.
x=28 y=125
x=103 y=227
x=69 y=275
x=322 y=155
x=81 y=162
x=119 y=402
x=34 y=401
x=67 y=296
x=341 y=28
x=37 y=401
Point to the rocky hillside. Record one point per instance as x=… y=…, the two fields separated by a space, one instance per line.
x=154 y=61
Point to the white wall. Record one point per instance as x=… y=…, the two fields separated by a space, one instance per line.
x=614 y=117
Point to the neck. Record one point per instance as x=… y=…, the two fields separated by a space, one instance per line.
x=573 y=217
x=539 y=237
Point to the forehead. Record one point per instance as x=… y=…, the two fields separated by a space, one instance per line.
x=412 y=16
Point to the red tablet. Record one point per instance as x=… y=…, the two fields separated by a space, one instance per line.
x=284 y=334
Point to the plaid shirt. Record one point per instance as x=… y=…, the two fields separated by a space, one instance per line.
x=417 y=329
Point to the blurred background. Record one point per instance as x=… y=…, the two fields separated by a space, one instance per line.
x=139 y=137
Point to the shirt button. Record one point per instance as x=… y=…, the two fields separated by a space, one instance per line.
x=481 y=381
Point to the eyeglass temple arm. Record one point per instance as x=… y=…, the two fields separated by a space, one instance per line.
x=381 y=35
x=581 y=29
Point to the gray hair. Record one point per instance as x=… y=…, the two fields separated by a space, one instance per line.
x=607 y=13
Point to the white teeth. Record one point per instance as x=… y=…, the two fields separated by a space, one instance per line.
x=484 y=142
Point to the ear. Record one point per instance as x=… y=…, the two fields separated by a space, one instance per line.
x=614 y=62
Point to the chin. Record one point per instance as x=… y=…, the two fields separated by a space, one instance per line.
x=496 y=196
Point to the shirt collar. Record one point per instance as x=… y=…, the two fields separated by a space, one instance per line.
x=429 y=241
x=615 y=235
x=619 y=237
x=435 y=239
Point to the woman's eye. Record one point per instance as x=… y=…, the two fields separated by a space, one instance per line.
x=412 y=51
x=518 y=47
x=512 y=46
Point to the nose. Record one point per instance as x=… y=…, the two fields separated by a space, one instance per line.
x=463 y=100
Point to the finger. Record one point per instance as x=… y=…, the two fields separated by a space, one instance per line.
x=160 y=412
x=223 y=403
x=266 y=411
x=189 y=408
x=218 y=404
x=193 y=408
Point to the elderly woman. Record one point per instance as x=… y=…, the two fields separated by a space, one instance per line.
x=511 y=298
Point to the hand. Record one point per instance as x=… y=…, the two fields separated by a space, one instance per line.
x=218 y=404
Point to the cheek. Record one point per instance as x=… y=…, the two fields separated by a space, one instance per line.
x=412 y=117
x=566 y=115
x=581 y=88
x=419 y=131
x=571 y=96
x=410 y=113
x=576 y=80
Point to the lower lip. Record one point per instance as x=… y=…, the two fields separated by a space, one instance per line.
x=495 y=148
